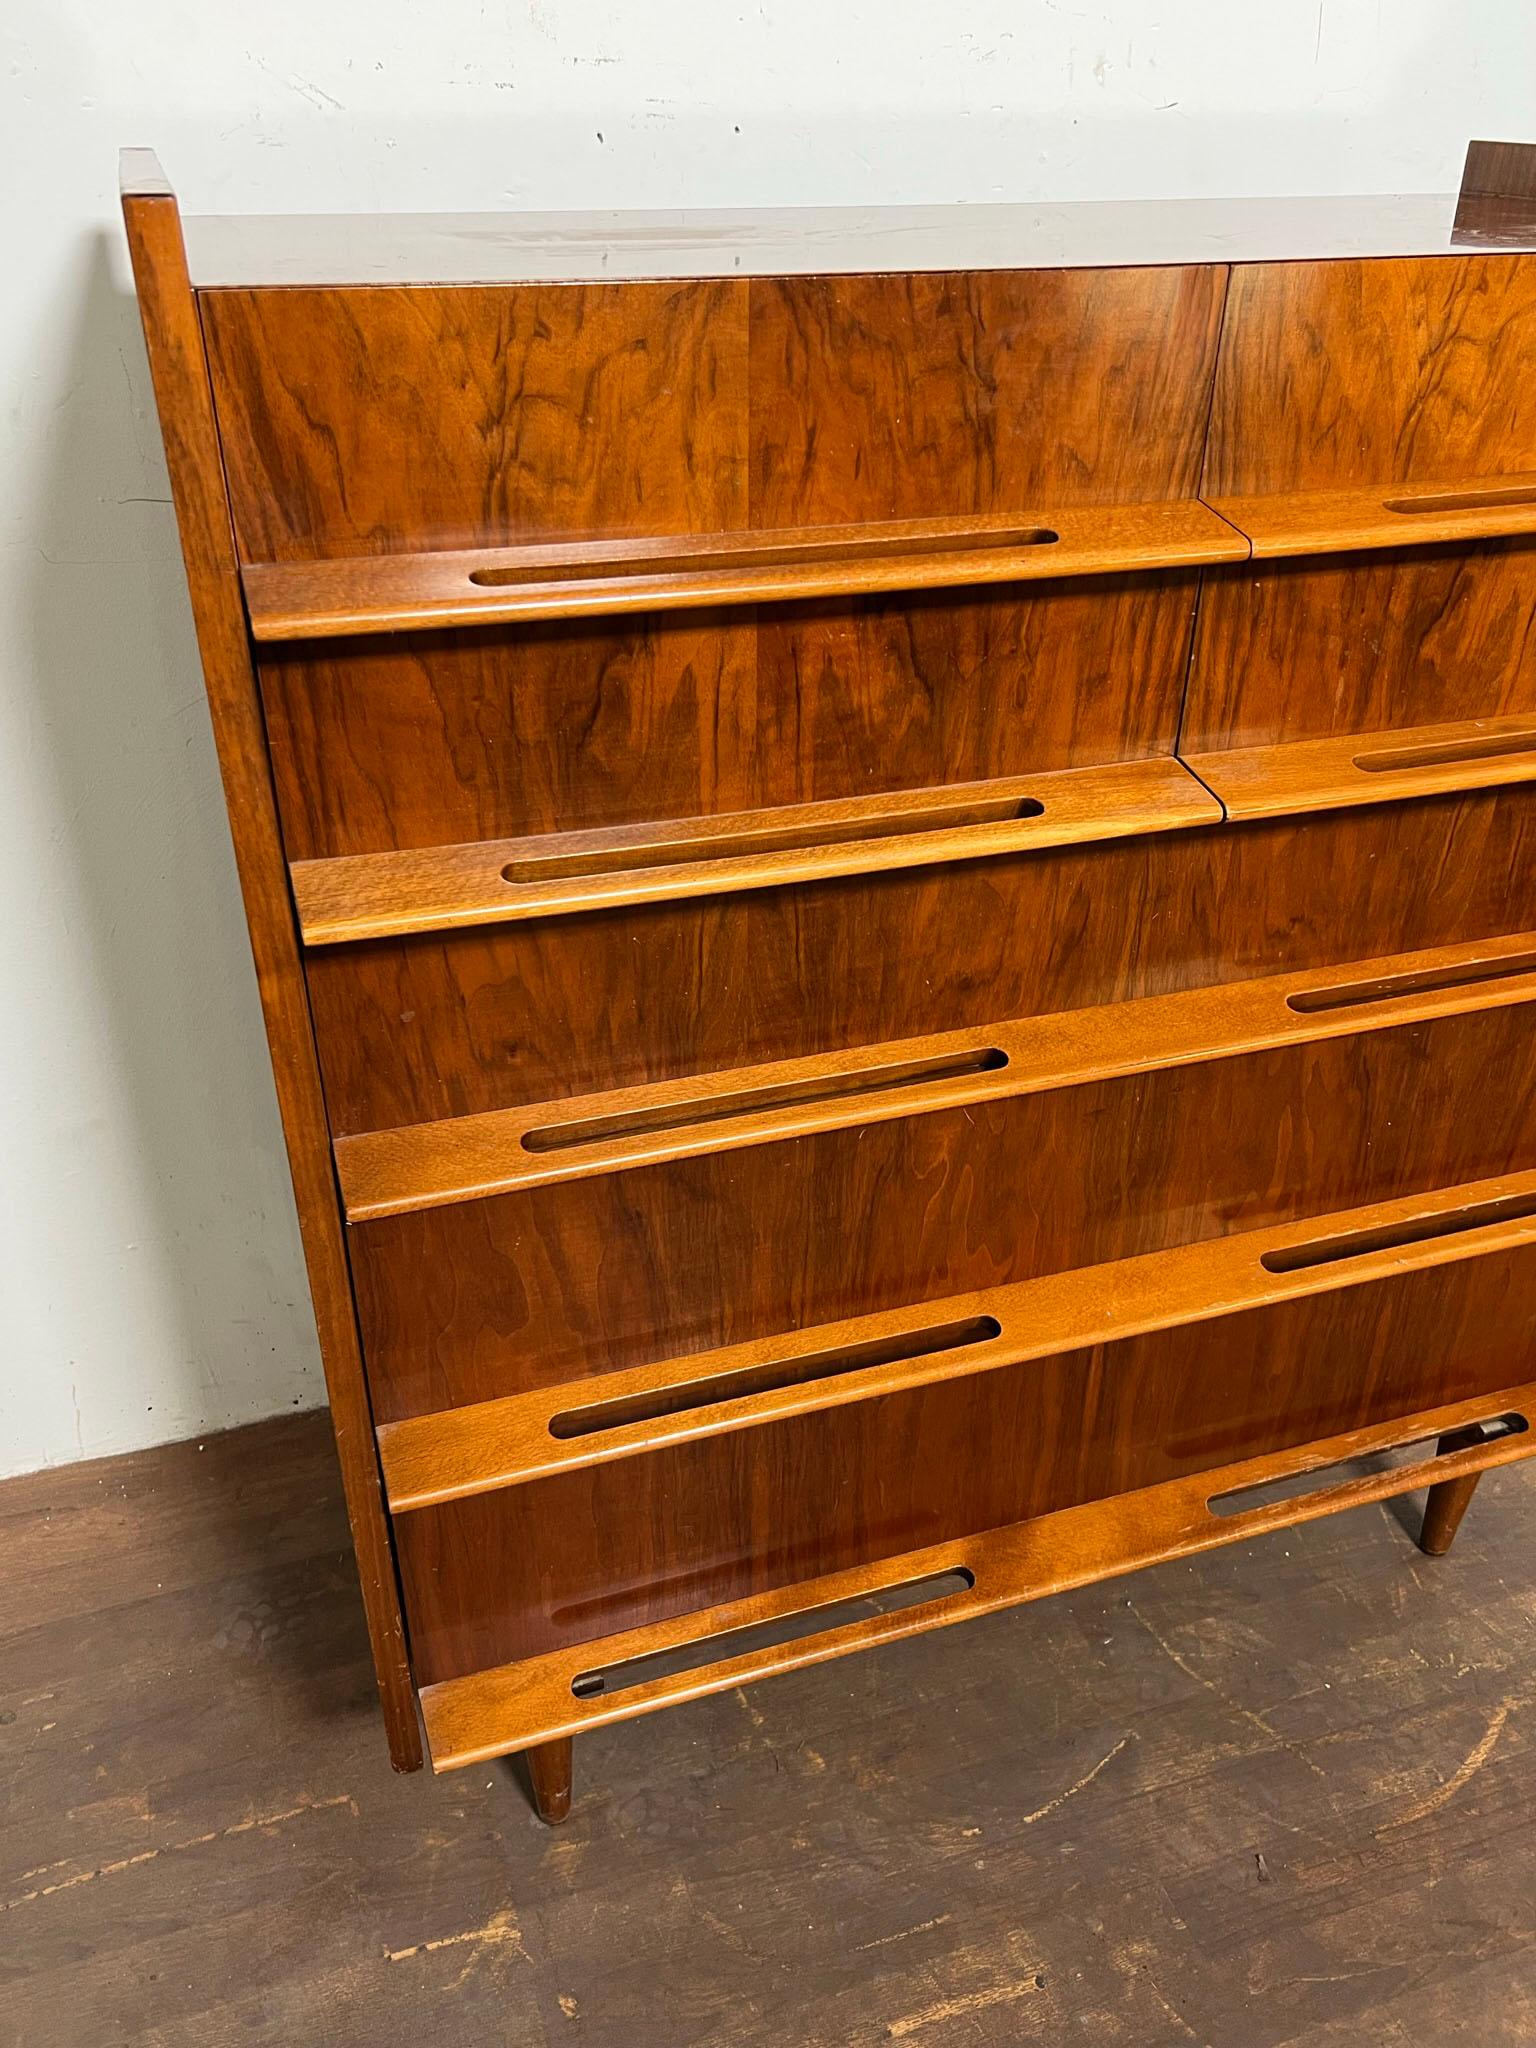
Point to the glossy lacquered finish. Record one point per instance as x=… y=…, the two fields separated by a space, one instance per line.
x=910 y=886
x=533 y=248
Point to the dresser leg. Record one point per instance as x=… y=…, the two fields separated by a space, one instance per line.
x=1448 y=1501
x=549 y=1774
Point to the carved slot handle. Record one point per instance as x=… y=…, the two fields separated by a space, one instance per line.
x=1313 y=1482
x=826 y=1620
x=769 y=552
x=1346 y=995
x=1354 y=1244
x=705 y=845
x=774 y=1374
x=632 y=1123
x=1387 y=760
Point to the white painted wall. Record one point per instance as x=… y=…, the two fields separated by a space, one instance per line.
x=150 y=1279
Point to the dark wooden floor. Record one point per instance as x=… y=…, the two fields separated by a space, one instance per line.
x=1281 y=1795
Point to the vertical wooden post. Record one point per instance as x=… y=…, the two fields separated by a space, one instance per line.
x=173 y=336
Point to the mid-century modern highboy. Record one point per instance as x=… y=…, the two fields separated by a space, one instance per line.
x=890 y=860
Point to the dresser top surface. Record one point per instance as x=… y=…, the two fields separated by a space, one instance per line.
x=248 y=250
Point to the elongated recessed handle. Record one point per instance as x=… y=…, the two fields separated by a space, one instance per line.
x=1383 y=988
x=827 y=1620
x=703 y=844
x=1354 y=1244
x=769 y=552
x=1464 y=501
x=716 y=1108
x=1445 y=753
x=1316 y=1482
x=772 y=1375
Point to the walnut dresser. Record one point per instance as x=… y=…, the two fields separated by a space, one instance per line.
x=892 y=863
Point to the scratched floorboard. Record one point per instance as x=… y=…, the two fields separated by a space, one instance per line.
x=1282 y=1795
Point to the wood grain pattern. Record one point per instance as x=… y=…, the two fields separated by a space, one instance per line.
x=458 y=1452
x=330 y=599
x=381 y=895
x=420 y=1166
x=182 y=394
x=550 y=1284
x=510 y=414
x=1363 y=643
x=1407 y=372
x=1370 y=767
x=417 y=1030
x=585 y=411
x=891 y=397
x=526 y=1571
x=444 y=739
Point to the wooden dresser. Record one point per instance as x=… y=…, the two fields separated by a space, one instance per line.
x=892 y=860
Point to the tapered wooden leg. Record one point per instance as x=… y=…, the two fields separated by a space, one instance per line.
x=549 y=1774
x=1448 y=1501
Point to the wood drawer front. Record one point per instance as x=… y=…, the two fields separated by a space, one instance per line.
x=513 y=1573
x=437 y=739
x=704 y=407
x=485 y=1297
x=1394 y=370
x=417 y=1029
x=1363 y=644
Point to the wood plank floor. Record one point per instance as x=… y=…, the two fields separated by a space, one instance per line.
x=1281 y=1795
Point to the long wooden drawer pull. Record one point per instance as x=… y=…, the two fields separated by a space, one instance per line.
x=605 y=1680
x=1384 y=515
x=349 y=897
x=938 y=816
x=1318 y=1481
x=1398 y=1233
x=1396 y=760
x=1294 y=777
x=839 y=545
x=1464 y=501
x=411 y=591
x=774 y=1375
x=712 y=1108
x=1385 y=988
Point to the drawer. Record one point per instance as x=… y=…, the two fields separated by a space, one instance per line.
x=1364 y=645
x=435 y=1026
x=480 y=1298
x=523 y=1571
x=704 y=407
x=424 y=740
